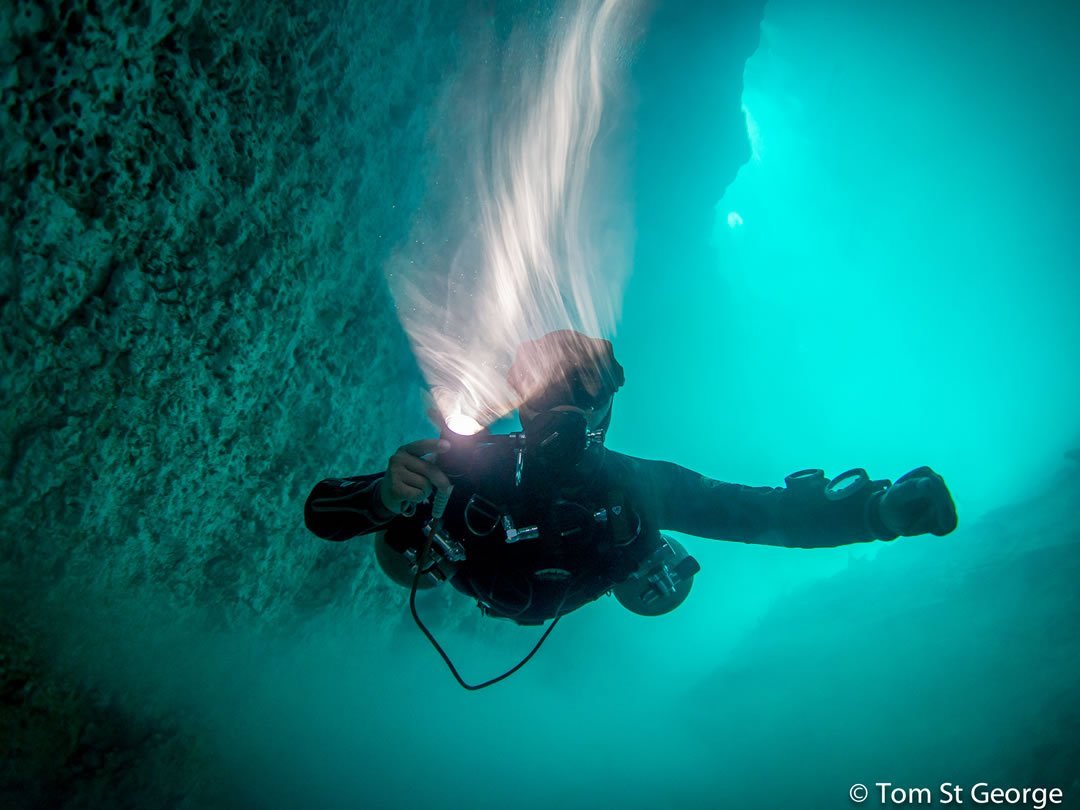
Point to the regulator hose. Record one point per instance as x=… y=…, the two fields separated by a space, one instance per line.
x=441 y=499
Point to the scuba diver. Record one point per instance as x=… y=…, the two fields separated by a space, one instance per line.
x=535 y=524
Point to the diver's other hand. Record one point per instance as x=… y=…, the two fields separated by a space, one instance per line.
x=919 y=502
x=410 y=477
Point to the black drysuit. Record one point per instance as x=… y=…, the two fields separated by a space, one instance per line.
x=642 y=497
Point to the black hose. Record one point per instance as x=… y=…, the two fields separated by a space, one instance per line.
x=439 y=649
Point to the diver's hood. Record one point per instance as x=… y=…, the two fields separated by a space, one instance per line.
x=565 y=368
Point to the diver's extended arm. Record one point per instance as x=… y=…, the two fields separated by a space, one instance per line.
x=340 y=508
x=799 y=515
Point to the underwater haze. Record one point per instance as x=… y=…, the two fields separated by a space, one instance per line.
x=819 y=234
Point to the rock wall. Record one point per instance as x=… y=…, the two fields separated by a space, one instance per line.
x=198 y=199
x=197 y=204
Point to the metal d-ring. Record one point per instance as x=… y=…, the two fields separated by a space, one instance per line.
x=493 y=515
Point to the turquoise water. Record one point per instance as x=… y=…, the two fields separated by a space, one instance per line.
x=899 y=287
x=865 y=256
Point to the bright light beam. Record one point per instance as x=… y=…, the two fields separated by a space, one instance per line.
x=527 y=260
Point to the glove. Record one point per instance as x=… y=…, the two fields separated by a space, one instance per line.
x=410 y=478
x=919 y=502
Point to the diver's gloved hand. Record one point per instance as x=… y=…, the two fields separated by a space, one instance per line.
x=919 y=502
x=410 y=477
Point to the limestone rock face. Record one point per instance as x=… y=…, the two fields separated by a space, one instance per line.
x=197 y=202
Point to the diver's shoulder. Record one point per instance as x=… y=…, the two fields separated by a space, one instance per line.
x=623 y=461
